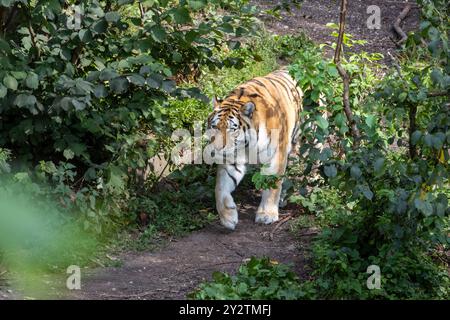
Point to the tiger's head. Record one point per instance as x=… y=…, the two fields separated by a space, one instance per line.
x=230 y=125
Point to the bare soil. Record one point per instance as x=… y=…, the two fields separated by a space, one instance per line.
x=313 y=16
x=179 y=267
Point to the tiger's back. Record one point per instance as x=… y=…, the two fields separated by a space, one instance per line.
x=278 y=102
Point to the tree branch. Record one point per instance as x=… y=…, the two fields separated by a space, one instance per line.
x=33 y=39
x=403 y=36
x=142 y=11
x=412 y=129
x=345 y=77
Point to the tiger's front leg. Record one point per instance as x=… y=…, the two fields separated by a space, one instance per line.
x=228 y=178
x=268 y=208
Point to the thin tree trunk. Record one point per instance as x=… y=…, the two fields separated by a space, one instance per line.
x=412 y=128
x=354 y=131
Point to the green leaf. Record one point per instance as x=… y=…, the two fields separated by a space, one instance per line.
x=370 y=121
x=136 y=79
x=180 y=15
x=78 y=105
x=100 y=26
x=402 y=96
x=330 y=171
x=68 y=154
x=158 y=33
x=365 y=190
x=19 y=75
x=100 y=91
x=437 y=141
x=3 y=91
x=168 y=86
x=112 y=16
x=227 y=27
x=177 y=57
x=197 y=4
x=437 y=76
x=108 y=74
x=119 y=85
x=378 y=166
x=32 y=80
x=423 y=206
x=4 y=46
x=322 y=122
x=23 y=100
x=10 y=82
x=416 y=136
x=355 y=172
x=155 y=81
x=428 y=139
x=116 y=178
x=85 y=35
x=6 y=3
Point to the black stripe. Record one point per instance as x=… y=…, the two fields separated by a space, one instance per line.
x=257 y=90
x=283 y=85
x=233 y=178
x=284 y=80
x=258 y=82
x=241 y=92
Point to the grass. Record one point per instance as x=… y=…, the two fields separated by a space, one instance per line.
x=264 y=54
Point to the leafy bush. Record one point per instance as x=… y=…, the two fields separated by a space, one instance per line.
x=84 y=85
x=385 y=202
x=392 y=208
x=256 y=279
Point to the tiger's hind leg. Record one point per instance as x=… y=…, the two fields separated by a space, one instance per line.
x=228 y=178
x=268 y=208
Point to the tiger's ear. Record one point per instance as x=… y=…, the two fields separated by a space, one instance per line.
x=248 y=109
x=216 y=103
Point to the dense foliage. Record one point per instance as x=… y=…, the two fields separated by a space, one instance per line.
x=256 y=279
x=89 y=90
x=382 y=200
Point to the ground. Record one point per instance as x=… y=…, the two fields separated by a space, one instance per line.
x=179 y=267
x=313 y=16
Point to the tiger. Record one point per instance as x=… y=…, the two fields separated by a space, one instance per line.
x=261 y=118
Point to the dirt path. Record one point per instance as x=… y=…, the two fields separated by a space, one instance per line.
x=178 y=268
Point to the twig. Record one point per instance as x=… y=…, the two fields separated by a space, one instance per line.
x=33 y=40
x=412 y=129
x=207 y=267
x=142 y=11
x=138 y=295
x=345 y=77
x=311 y=233
x=278 y=225
x=403 y=36
x=396 y=65
x=97 y=262
x=438 y=94
x=76 y=54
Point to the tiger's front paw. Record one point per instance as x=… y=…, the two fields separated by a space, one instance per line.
x=229 y=218
x=227 y=212
x=266 y=218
